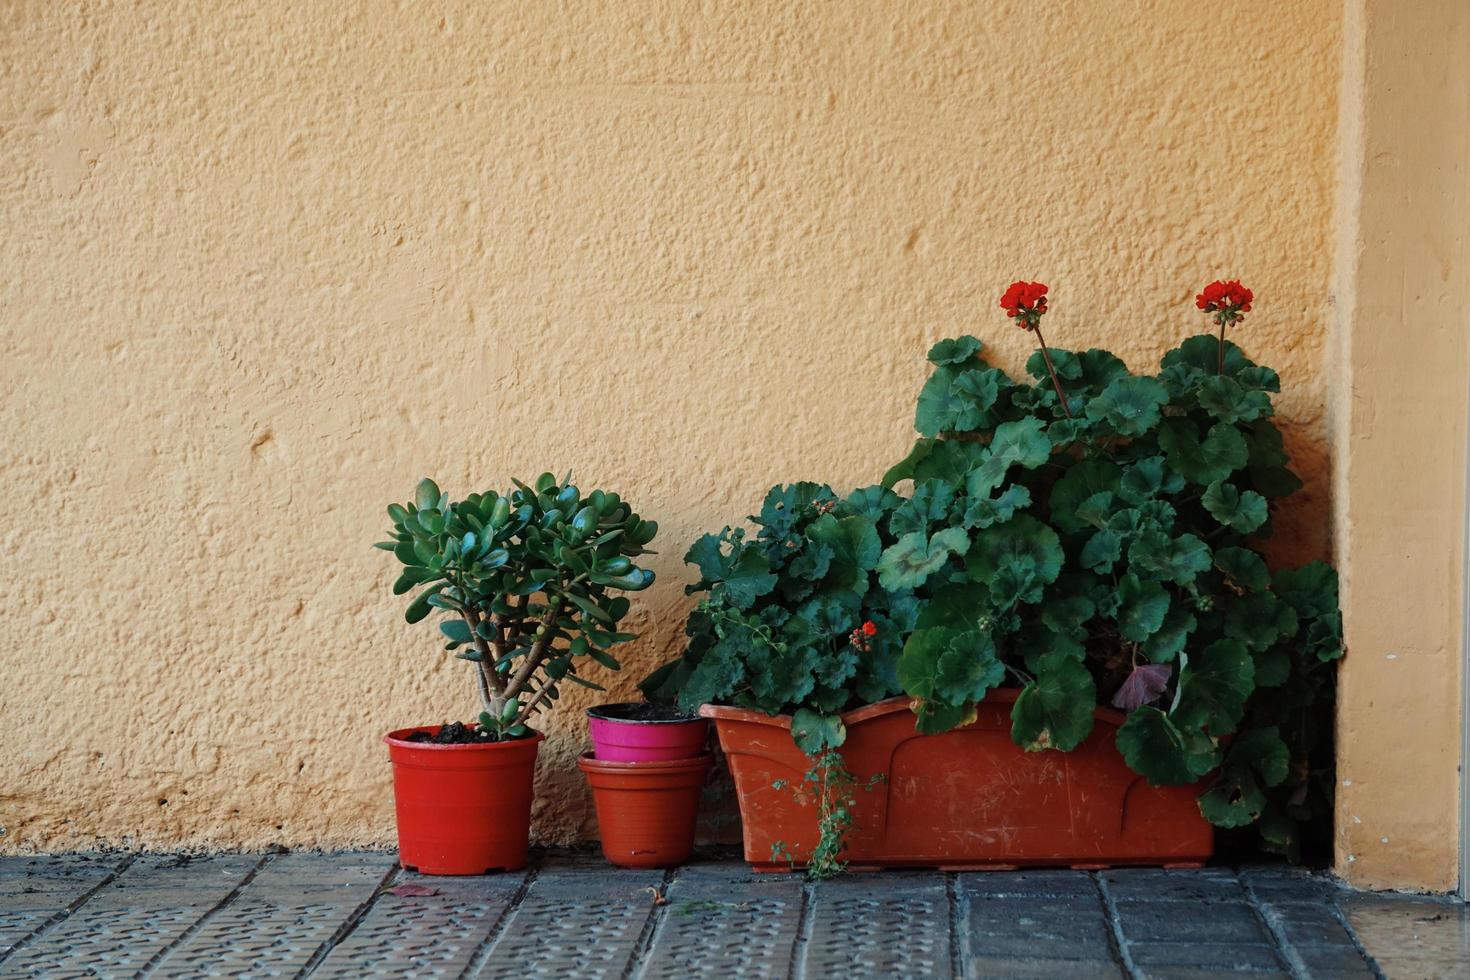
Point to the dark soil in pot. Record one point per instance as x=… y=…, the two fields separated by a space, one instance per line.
x=458 y=733
x=640 y=711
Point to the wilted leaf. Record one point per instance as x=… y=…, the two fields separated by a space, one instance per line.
x=1143 y=686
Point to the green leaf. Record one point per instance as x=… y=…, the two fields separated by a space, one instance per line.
x=1214 y=685
x=910 y=561
x=1170 y=638
x=929 y=504
x=1222 y=452
x=585 y=683
x=1055 y=711
x=984 y=512
x=1243 y=512
x=1235 y=799
x=427 y=494
x=1023 y=443
x=1177 y=560
x=1225 y=399
x=944 y=408
x=873 y=502
x=1101 y=551
x=1244 y=568
x=1129 y=405
x=1311 y=589
x=1263 y=750
x=855 y=549
x=588 y=607
x=954 y=667
x=456 y=630
x=1022 y=544
x=954 y=351
x=742 y=576
x=420 y=606
x=1081 y=481
x=815 y=733
x=714 y=678
x=1142 y=609
x=968 y=669
x=1146 y=479
x=413 y=575
x=1156 y=748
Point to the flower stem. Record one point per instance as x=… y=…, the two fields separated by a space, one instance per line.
x=1220 y=368
x=1051 y=369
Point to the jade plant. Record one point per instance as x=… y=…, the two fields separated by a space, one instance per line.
x=1087 y=535
x=528 y=582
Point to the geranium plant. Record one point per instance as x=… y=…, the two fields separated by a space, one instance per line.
x=1086 y=535
x=528 y=582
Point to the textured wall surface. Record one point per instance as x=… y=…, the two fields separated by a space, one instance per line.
x=1402 y=349
x=266 y=264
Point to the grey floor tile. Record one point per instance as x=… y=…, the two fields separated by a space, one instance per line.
x=578 y=924
x=724 y=921
x=150 y=905
x=871 y=926
x=1151 y=885
x=437 y=935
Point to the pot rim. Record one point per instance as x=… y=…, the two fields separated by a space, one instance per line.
x=587 y=762
x=396 y=738
x=595 y=712
x=888 y=706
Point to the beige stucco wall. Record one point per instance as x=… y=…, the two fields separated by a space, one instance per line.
x=265 y=264
x=1401 y=372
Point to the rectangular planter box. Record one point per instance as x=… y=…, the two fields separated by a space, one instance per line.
x=968 y=798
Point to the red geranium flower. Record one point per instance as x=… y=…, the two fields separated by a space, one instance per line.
x=1228 y=301
x=862 y=637
x=1025 y=301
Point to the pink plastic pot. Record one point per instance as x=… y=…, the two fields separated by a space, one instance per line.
x=620 y=735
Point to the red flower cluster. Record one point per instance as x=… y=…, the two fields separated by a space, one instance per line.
x=1228 y=301
x=1025 y=301
x=862 y=637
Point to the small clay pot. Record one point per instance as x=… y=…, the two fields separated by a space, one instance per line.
x=646 y=810
x=462 y=809
x=637 y=732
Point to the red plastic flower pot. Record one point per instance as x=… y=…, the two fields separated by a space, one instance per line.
x=462 y=809
x=647 y=810
x=967 y=798
x=620 y=735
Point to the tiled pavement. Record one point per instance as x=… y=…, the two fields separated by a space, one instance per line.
x=335 y=915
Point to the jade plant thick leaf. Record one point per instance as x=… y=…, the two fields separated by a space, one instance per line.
x=529 y=583
x=1086 y=534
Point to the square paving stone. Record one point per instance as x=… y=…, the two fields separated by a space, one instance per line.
x=1216 y=957
x=879 y=926
x=723 y=921
x=1306 y=923
x=1152 y=885
x=1036 y=968
x=1047 y=883
x=1171 y=922
x=1333 y=962
x=435 y=935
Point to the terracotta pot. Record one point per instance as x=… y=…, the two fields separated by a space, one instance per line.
x=646 y=810
x=462 y=809
x=968 y=798
x=623 y=739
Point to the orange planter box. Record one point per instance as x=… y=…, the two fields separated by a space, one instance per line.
x=968 y=798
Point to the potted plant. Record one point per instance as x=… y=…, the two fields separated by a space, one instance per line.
x=645 y=731
x=528 y=583
x=1069 y=600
